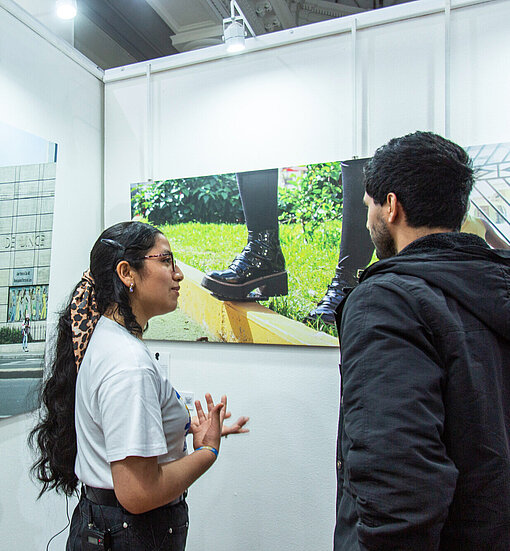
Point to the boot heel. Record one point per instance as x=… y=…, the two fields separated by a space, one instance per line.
x=275 y=286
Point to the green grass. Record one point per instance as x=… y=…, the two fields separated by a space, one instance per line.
x=310 y=265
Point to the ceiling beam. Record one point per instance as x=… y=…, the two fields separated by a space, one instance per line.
x=213 y=31
x=256 y=23
x=134 y=25
x=220 y=7
x=285 y=16
x=329 y=9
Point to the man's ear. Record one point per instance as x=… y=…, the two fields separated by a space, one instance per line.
x=125 y=272
x=394 y=208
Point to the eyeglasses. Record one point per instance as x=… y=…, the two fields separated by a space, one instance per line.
x=169 y=256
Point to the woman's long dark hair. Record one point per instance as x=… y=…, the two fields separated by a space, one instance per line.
x=54 y=437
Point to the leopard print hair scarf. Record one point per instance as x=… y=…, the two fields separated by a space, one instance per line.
x=84 y=316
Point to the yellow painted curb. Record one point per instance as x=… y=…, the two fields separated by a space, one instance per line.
x=247 y=322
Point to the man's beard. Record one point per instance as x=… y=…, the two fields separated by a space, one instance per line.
x=382 y=240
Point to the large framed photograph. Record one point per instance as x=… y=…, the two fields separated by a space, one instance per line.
x=257 y=249
x=27 y=191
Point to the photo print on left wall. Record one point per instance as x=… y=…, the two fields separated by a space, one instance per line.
x=27 y=191
x=257 y=249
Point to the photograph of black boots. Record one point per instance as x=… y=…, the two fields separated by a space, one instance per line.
x=257 y=273
x=325 y=309
x=356 y=247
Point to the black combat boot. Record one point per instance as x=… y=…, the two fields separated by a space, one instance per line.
x=257 y=273
x=356 y=247
x=325 y=309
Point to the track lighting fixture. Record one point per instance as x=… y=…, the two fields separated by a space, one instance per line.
x=234 y=31
x=66 y=9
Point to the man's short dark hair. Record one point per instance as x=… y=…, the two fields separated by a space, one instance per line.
x=431 y=176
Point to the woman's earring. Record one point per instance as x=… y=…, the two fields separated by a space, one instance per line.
x=131 y=287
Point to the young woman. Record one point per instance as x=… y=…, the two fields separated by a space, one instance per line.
x=25 y=332
x=110 y=419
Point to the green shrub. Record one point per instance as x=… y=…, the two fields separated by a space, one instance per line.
x=314 y=198
x=9 y=335
x=202 y=199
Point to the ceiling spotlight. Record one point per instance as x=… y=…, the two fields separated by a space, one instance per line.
x=234 y=34
x=66 y=9
x=234 y=31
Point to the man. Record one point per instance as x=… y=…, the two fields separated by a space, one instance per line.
x=424 y=431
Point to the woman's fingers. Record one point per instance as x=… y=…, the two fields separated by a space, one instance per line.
x=224 y=409
x=236 y=428
x=210 y=403
x=200 y=412
x=220 y=408
x=194 y=423
x=215 y=413
x=241 y=422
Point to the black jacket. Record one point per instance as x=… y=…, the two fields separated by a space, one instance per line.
x=424 y=432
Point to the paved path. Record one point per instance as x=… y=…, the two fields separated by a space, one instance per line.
x=20 y=376
x=20 y=362
x=18 y=396
x=16 y=367
x=34 y=348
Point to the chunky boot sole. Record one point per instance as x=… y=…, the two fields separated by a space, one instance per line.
x=326 y=317
x=273 y=285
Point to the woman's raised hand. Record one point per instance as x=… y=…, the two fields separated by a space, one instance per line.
x=207 y=429
x=198 y=423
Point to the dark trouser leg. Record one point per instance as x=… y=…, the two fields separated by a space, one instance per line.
x=356 y=248
x=259 y=195
x=261 y=264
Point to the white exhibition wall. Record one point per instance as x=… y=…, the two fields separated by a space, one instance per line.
x=46 y=93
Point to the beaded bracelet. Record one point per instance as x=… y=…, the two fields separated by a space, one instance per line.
x=210 y=448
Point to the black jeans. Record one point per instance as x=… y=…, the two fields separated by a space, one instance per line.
x=162 y=529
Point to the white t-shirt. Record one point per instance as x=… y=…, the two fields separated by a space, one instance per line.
x=125 y=406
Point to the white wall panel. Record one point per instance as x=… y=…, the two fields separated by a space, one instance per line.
x=125 y=141
x=481 y=74
x=274 y=488
x=47 y=94
x=264 y=110
x=400 y=79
